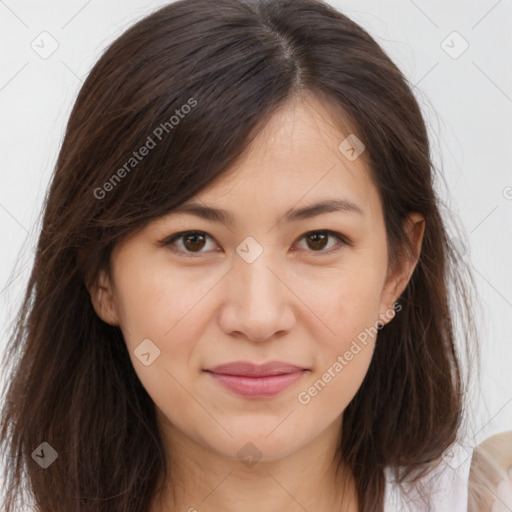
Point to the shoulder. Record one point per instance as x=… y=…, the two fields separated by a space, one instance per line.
x=498 y=446
x=489 y=478
x=443 y=487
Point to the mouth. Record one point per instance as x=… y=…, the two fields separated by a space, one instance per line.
x=256 y=381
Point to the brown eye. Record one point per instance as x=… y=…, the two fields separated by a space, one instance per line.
x=191 y=242
x=317 y=241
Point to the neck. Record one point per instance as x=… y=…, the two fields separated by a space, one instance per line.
x=200 y=479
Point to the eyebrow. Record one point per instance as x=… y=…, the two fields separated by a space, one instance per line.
x=227 y=217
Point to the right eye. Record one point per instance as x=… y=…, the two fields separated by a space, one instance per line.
x=190 y=242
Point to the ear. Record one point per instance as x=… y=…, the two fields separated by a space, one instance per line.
x=102 y=298
x=414 y=227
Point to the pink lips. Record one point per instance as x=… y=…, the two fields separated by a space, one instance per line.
x=250 y=380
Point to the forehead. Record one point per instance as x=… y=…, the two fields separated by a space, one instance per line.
x=299 y=158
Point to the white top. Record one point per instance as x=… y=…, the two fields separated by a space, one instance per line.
x=444 y=489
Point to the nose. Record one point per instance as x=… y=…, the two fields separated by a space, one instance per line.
x=258 y=301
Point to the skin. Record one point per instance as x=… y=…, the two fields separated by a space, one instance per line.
x=297 y=302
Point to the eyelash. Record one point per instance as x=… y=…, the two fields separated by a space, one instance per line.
x=168 y=241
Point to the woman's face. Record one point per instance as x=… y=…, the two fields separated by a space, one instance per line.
x=258 y=289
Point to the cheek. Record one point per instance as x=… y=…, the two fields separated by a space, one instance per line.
x=155 y=301
x=348 y=306
x=160 y=304
x=346 y=300
x=345 y=351
x=143 y=302
x=331 y=390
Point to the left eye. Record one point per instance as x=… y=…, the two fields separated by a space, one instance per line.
x=193 y=241
x=318 y=240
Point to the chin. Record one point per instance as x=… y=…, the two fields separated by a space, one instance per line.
x=259 y=444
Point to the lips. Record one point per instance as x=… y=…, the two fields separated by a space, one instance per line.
x=247 y=369
x=251 y=380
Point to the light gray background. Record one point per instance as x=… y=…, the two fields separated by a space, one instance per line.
x=467 y=102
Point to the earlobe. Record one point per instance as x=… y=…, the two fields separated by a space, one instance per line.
x=102 y=298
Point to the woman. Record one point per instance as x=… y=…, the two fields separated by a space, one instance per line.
x=241 y=293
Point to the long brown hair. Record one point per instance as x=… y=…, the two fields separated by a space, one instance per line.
x=200 y=78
